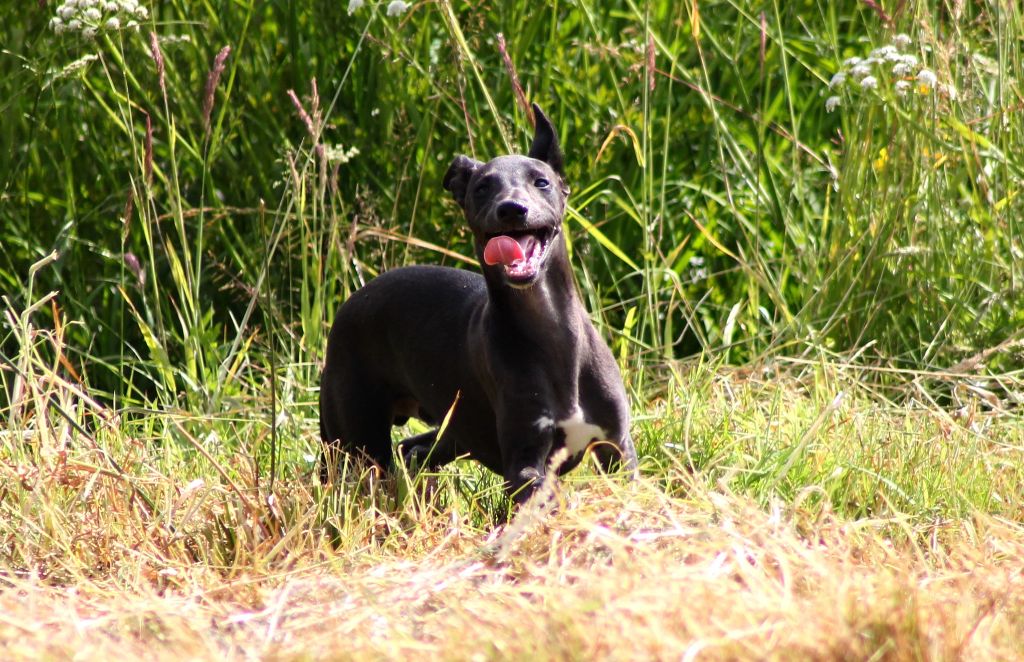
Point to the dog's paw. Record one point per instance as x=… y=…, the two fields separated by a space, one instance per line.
x=414 y=455
x=530 y=475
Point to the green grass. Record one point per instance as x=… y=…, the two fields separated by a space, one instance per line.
x=817 y=315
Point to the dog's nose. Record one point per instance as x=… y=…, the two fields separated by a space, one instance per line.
x=511 y=211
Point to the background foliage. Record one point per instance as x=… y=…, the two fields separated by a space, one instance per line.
x=718 y=206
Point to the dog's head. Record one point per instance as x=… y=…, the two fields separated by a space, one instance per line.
x=514 y=205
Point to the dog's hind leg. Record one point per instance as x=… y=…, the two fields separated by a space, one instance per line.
x=354 y=419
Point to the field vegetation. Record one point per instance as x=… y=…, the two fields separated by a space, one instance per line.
x=798 y=225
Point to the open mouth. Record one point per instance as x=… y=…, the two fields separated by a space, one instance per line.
x=521 y=252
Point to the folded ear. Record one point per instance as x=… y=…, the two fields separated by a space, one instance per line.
x=545 y=141
x=457 y=178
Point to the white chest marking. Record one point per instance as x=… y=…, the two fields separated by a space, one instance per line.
x=578 y=432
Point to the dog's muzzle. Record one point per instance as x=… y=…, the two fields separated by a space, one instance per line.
x=521 y=252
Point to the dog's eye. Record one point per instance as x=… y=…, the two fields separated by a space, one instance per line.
x=541 y=183
x=482 y=188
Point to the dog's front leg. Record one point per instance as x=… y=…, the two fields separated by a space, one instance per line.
x=525 y=446
x=426 y=451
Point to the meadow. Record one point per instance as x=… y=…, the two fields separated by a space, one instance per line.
x=798 y=225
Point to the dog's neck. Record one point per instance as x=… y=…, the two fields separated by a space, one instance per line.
x=548 y=309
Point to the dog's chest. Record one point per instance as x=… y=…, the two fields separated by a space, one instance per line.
x=578 y=431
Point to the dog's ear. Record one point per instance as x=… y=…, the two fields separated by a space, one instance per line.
x=545 y=141
x=457 y=178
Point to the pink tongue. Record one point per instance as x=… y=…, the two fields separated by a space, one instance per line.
x=503 y=250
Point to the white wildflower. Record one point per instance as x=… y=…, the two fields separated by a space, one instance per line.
x=397 y=7
x=65 y=11
x=832 y=103
x=111 y=7
x=338 y=153
x=901 y=69
x=56 y=24
x=927 y=78
x=860 y=71
x=838 y=79
x=902 y=87
x=909 y=59
x=949 y=91
x=89 y=32
x=74 y=25
x=851 y=62
x=902 y=40
x=93 y=14
x=141 y=12
x=884 y=52
x=132 y=25
x=869 y=82
x=354 y=6
x=112 y=23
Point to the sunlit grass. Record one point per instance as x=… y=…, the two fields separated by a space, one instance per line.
x=772 y=519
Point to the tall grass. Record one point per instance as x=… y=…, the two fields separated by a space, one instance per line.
x=718 y=206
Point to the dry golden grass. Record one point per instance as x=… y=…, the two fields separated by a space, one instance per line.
x=776 y=519
x=618 y=572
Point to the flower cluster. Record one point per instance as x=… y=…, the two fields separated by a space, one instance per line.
x=338 y=153
x=89 y=17
x=394 y=8
x=891 y=64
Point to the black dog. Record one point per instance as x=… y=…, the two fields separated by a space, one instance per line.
x=512 y=355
